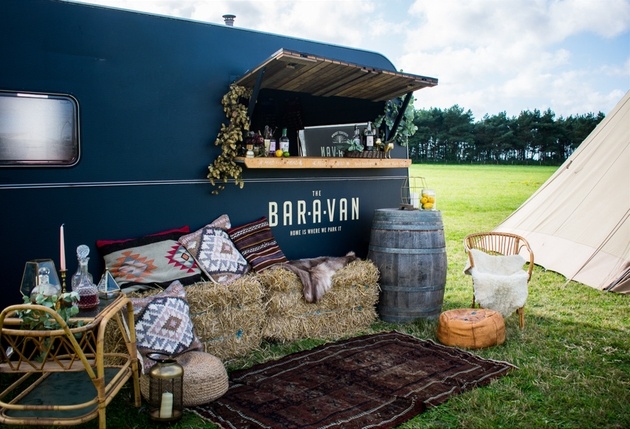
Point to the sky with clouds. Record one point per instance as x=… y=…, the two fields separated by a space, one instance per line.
x=490 y=56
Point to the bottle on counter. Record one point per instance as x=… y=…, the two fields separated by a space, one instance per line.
x=356 y=138
x=83 y=251
x=267 y=136
x=83 y=282
x=369 y=137
x=284 y=141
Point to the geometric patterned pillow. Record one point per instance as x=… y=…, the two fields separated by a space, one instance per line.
x=163 y=324
x=153 y=259
x=257 y=244
x=215 y=253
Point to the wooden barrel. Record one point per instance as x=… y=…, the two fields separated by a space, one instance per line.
x=409 y=249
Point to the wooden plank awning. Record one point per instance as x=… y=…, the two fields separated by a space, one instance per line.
x=324 y=77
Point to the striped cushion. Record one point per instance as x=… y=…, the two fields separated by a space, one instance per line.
x=257 y=244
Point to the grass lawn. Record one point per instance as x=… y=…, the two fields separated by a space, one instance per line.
x=573 y=355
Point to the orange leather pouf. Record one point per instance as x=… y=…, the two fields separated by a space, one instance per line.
x=471 y=328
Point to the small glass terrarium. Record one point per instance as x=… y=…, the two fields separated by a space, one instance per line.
x=415 y=195
x=39 y=272
x=107 y=286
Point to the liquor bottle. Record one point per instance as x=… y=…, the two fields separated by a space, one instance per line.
x=83 y=252
x=369 y=137
x=284 y=141
x=82 y=281
x=268 y=137
x=356 y=138
x=87 y=290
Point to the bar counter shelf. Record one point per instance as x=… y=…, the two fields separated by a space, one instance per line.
x=301 y=162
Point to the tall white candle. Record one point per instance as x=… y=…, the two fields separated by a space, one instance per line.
x=166 y=406
x=62 y=249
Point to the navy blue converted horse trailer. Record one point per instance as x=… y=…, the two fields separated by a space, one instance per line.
x=145 y=91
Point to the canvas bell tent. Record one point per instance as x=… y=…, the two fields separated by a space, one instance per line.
x=577 y=222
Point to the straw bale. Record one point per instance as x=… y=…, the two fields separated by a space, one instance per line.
x=230 y=331
x=347 y=308
x=323 y=324
x=227 y=319
x=113 y=342
x=243 y=291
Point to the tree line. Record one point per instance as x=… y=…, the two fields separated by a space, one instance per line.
x=533 y=137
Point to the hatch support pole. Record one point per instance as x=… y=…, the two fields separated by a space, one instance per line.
x=255 y=91
x=401 y=112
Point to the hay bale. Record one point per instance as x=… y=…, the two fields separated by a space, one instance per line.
x=347 y=308
x=230 y=331
x=228 y=319
x=113 y=342
x=330 y=324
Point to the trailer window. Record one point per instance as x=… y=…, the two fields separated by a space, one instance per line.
x=38 y=129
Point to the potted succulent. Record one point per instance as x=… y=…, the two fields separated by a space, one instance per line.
x=351 y=148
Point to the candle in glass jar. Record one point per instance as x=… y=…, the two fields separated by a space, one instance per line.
x=62 y=250
x=166 y=406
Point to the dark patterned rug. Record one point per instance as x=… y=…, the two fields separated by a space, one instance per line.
x=373 y=381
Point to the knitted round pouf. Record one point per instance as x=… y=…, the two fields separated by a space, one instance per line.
x=471 y=328
x=205 y=378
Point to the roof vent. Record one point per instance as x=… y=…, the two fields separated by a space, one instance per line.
x=229 y=20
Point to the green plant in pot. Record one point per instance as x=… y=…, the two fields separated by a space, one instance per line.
x=350 y=146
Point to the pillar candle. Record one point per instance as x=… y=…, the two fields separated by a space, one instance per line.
x=166 y=406
x=62 y=250
x=415 y=200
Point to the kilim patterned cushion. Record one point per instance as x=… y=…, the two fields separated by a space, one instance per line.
x=163 y=324
x=215 y=253
x=257 y=244
x=156 y=259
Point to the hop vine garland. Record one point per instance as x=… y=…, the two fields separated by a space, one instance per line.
x=230 y=137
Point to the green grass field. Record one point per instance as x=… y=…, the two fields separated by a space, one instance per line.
x=573 y=355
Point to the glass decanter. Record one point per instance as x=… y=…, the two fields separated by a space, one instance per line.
x=82 y=281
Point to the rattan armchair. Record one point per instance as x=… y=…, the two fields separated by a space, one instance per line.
x=501 y=243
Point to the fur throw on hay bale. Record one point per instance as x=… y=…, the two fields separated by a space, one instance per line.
x=347 y=308
x=316 y=273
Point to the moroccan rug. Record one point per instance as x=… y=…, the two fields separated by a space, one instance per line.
x=372 y=381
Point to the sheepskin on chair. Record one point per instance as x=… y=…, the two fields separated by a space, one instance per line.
x=499 y=282
x=316 y=273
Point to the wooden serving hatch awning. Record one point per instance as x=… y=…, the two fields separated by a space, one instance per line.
x=300 y=72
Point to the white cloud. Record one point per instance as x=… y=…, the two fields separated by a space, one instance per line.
x=607 y=19
x=494 y=55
